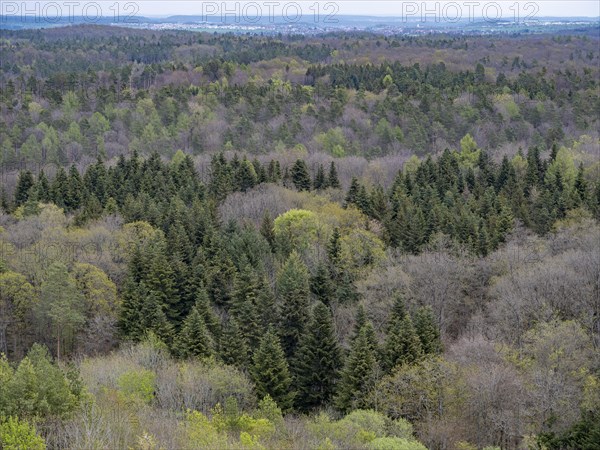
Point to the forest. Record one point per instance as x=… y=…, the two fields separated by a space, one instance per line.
x=344 y=241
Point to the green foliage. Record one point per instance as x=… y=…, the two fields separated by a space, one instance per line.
x=293 y=293
x=233 y=347
x=295 y=229
x=194 y=339
x=362 y=428
x=138 y=385
x=402 y=343
x=427 y=331
x=300 y=176
x=395 y=443
x=317 y=362
x=333 y=142
x=17 y=434
x=469 y=153
x=270 y=371
x=199 y=433
x=37 y=388
x=359 y=372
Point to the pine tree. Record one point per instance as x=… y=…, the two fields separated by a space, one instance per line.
x=359 y=322
x=265 y=304
x=321 y=285
x=353 y=192
x=319 y=182
x=246 y=177
x=193 y=339
x=74 y=194
x=378 y=203
x=270 y=371
x=300 y=176
x=318 y=361
x=293 y=293
x=267 y=229
x=203 y=307
x=402 y=343
x=553 y=151
x=359 y=372
x=43 y=188
x=581 y=188
x=428 y=332
x=233 y=348
x=332 y=178
x=154 y=317
x=334 y=248
x=159 y=278
x=24 y=184
x=246 y=290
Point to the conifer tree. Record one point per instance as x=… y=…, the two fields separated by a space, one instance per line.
x=24 y=184
x=193 y=338
x=321 y=285
x=265 y=304
x=246 y=290
x=402 y=343
x=360 y=321
x=427 y=330
x=359 y=372
x=293 y=293
x=332 y=178
x=581 y=188
x=267 y=229
x=270 y=371
x=202 y=305
x=319 y=182
x=154 y=317
x=233 y=348
x=300 y=176
x=378 y=203
x=43 y=188
x=159 y=278
x=318 y=361
x=74 y=194
x=130 y=319
x=334 y=248
x=353 y=192
x=246 y=177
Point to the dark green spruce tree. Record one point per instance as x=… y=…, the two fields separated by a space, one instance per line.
x=24 y=184
x=317 y=364
x=359 y=373
x=233 y=349
x=321 y=285
x=193 y=339
x=427 y=330
x=402 y=344
x=300 y=176
x=332 y=178
x=246 y=291
x=270 y=371
x=320 y=182
x=293 y=292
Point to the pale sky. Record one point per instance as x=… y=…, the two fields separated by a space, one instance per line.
x=562 y=8
x=506 y=9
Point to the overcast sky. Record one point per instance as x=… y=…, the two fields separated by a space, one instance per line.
x=398 y=8
x=590 y=8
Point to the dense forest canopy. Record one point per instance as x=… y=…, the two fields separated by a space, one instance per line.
x=336 y=241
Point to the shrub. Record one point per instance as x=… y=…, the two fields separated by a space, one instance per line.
x=19 y=435
x=395 y=443
x=138 y=385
